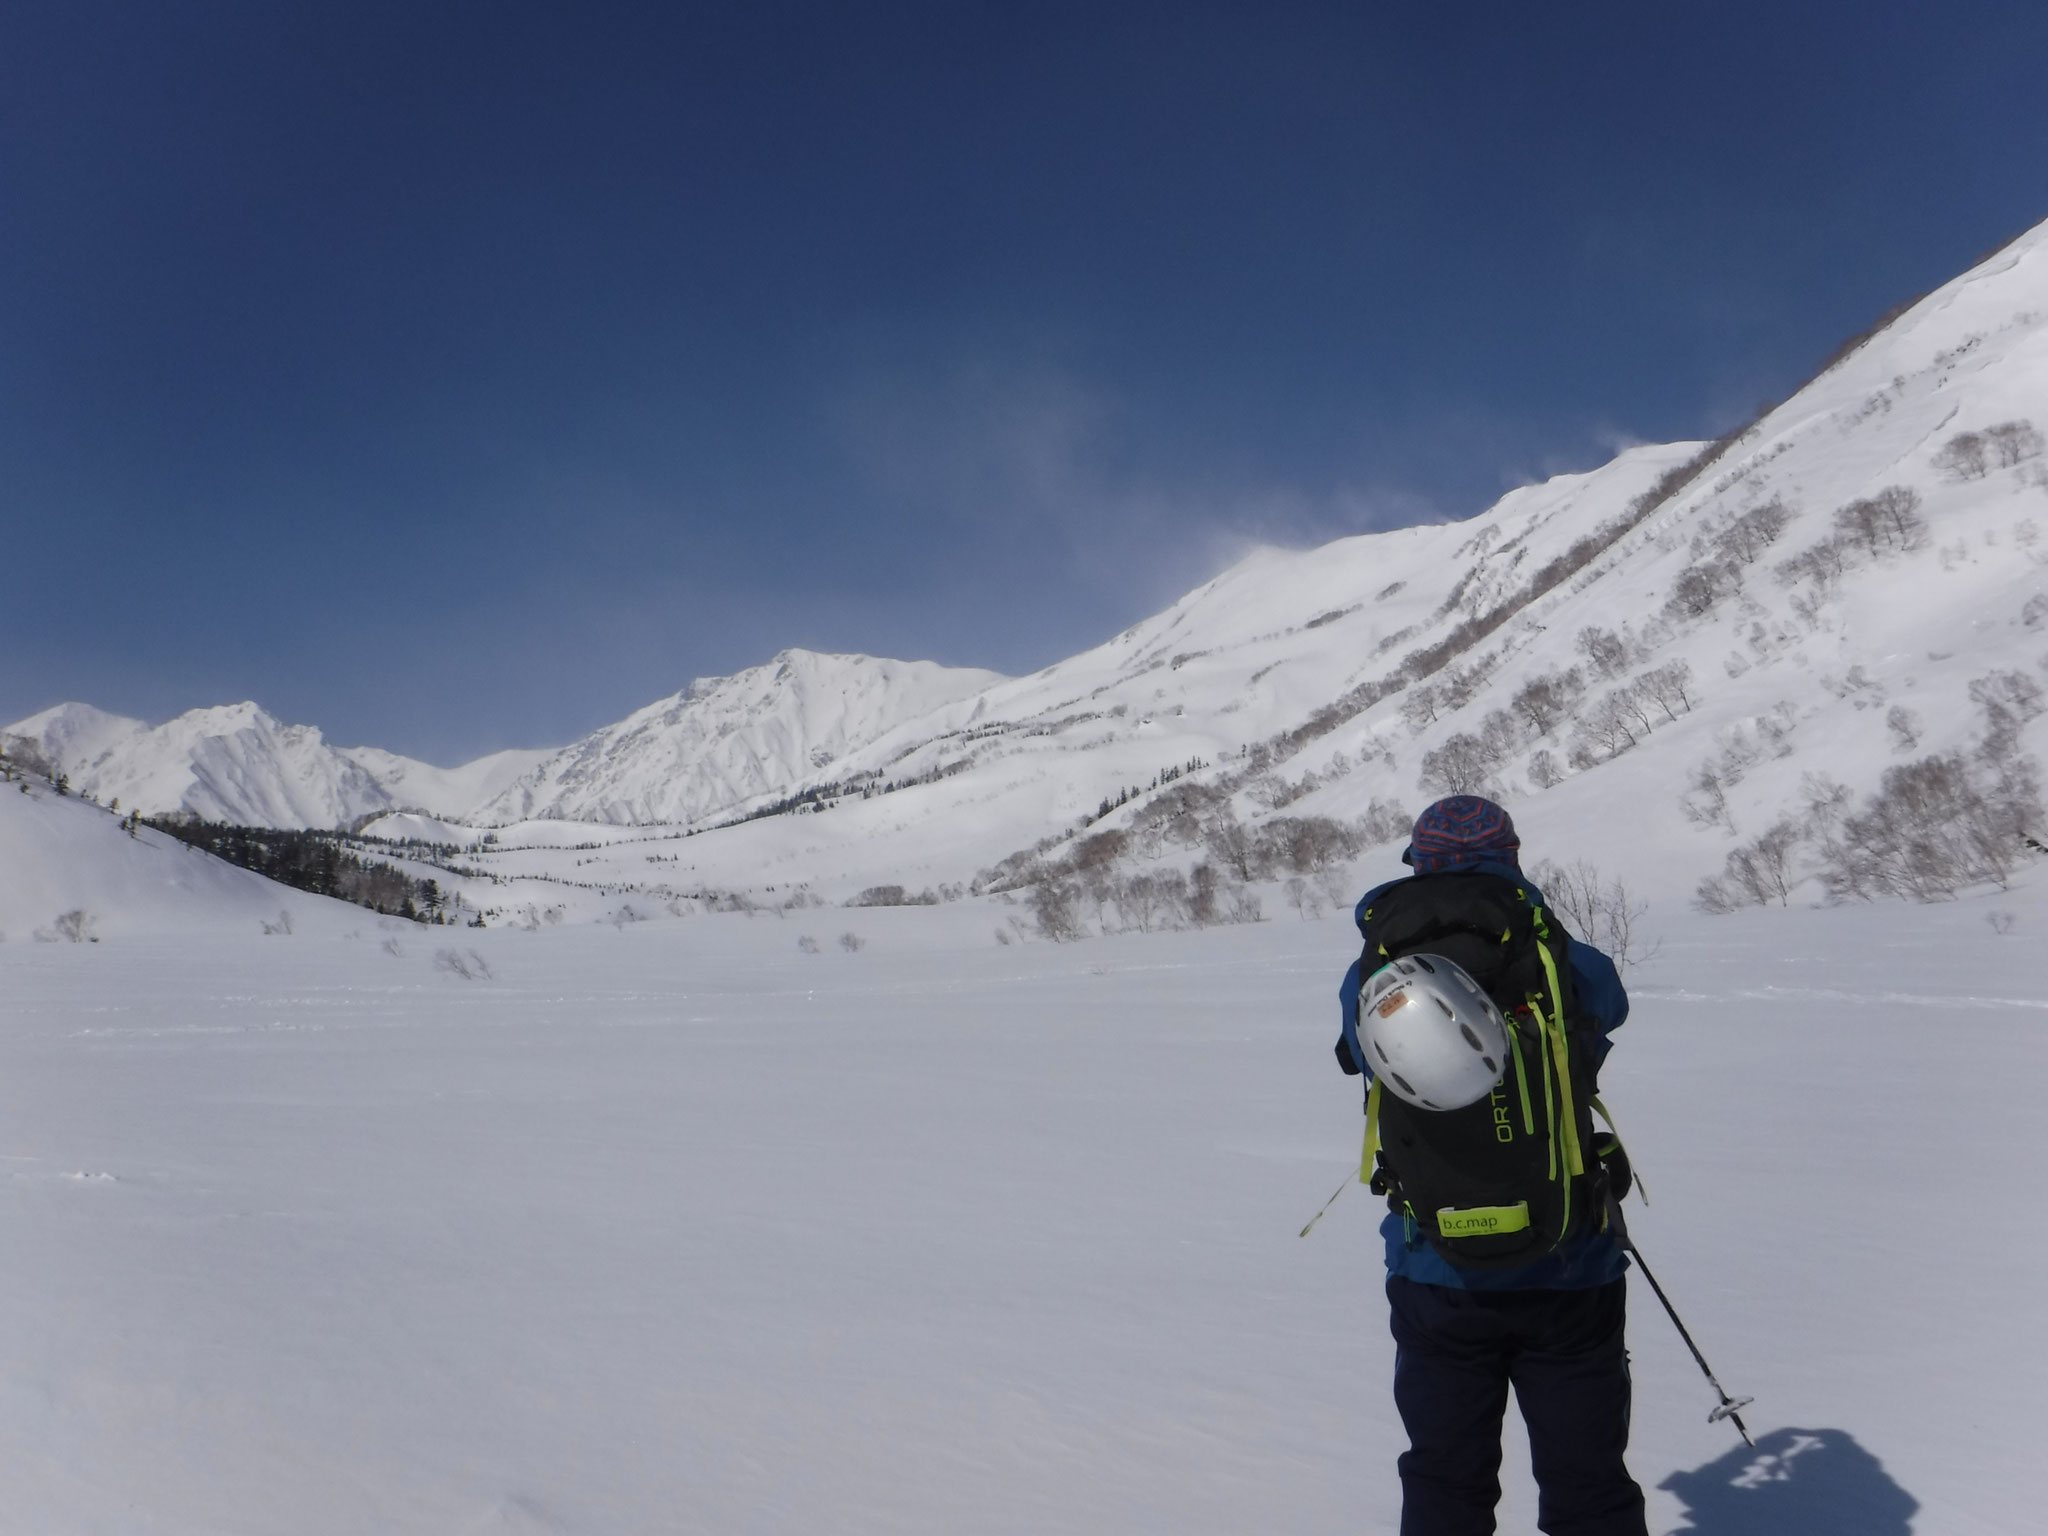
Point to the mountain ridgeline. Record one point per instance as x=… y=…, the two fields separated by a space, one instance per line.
x=1804 y=661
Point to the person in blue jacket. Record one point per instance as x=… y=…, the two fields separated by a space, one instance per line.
x=1552 y=1329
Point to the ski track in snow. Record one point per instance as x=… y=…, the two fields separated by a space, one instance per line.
x=1843 y=995
x=679 y=1228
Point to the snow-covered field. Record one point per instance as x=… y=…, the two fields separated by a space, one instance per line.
x=681 y=1227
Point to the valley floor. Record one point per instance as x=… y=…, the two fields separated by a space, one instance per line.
x=680 y=1227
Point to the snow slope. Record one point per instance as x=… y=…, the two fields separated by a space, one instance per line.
x=72 y=735
x=239 y=764
x=719 y=744
x=724 y=741
x=234 y=763
x=454 y=792
x=60 y=854
x=682 y=1228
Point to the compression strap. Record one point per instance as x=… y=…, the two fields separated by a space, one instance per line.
x=1574 y=1159
x=1372 y=1133
x=1635 y=1173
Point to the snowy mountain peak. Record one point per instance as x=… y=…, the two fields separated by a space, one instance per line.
x=726 y=741
x=72 y=734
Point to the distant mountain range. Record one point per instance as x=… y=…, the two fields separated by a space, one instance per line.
x=1655 y=662
x=720 y=743
x=236 y=763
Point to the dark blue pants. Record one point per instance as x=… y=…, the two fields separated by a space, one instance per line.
x=1456 y=1354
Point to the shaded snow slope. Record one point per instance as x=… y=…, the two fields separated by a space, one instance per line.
x=727 y=740
x=452 y=792
x=59 y=855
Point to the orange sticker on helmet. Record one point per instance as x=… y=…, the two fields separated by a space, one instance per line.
x=1392 y=1004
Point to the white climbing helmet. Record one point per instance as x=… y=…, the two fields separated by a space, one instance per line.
x=1431 y=1033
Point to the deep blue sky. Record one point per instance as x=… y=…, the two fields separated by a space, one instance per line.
x=463 y=376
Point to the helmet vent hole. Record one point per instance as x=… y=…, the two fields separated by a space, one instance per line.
x=1491 y=1064
x=1404 y=1085
x=1445 y=1006
x=1470 y=1038
x=1425 y=965
x=1381 y=1049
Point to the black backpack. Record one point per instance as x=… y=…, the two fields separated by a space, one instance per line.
x=1504 y=1181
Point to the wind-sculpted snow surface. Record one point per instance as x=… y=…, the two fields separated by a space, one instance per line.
x=726 y=741
x=689 y=1228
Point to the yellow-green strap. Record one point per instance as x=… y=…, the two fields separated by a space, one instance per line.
x=1574 y=1159
x=1372 y=1133
x=1635 y=1173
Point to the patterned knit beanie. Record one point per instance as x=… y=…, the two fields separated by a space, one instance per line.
x=1459 y=832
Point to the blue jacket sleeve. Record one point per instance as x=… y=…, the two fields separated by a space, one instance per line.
x=1349 y=1057
x=1600 y=994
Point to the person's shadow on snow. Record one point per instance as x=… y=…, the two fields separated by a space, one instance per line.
x=1797 y=1482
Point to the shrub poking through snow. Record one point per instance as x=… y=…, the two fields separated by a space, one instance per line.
x=1546 y=699
x=1905 y=727
x=2012 y=442
x=894 y=896
x=1933 y=828
x=1463 y=765
x=73 y=927
x=1757 y=873
x=1702 y=588
x=1598 y=910
x=466 y=964
x=1966 y=456
x=1887 y=523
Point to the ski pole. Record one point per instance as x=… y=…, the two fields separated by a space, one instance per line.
x=1349 y=1180
x=1730 y=1407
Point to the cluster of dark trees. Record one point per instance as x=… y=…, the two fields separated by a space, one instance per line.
x=319 y=862
x=1124 y=797
x=901 y=896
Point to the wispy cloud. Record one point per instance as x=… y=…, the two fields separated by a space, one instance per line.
x=1027 y=456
